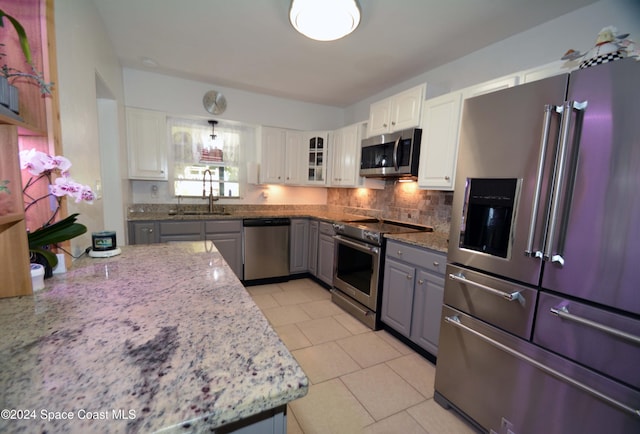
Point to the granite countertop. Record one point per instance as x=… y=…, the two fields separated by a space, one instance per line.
x=161 y=337
x=432 y=240
x=429 y=239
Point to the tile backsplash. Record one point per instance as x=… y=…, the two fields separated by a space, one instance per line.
x=398 y=201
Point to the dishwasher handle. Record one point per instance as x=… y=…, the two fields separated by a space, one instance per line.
x=276 y=221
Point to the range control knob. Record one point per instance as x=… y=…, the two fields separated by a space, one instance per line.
x=338 y=227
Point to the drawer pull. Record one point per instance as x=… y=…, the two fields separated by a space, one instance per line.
x=399 y=252
x=563 y=313
x=436 y=263
x=510 y=296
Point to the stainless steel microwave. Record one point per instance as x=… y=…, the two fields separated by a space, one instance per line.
x=391 y=155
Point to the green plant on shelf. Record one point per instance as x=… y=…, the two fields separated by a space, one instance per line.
x=13 y=73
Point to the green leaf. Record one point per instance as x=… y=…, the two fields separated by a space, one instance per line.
x=57 y=232
x=22 y=34
x=51 y=258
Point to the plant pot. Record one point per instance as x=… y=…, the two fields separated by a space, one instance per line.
x=4 y=91
x=37 y=258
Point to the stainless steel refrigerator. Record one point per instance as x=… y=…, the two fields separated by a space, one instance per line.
x=541 y=319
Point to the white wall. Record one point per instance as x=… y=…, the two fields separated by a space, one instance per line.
x=184 y=97
x=538 y=46
x=84 y=52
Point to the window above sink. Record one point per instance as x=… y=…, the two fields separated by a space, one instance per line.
x=195 y=150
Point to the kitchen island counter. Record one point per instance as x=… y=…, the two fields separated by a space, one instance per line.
x=160 y=338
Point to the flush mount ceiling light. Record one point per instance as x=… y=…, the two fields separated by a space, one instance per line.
x=324 y=20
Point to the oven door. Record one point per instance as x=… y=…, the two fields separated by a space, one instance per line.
x=357 y=270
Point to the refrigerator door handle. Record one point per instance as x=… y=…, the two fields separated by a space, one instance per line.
x=544 y=144
x=455 y=321
x=509 y=296
x=558 y=178
x=562 y=312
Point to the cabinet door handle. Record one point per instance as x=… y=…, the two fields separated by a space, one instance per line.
x=399 y=252
x=446 y=178
x=436 y=263
x=393 y=122
x=420 y=282
x=409 y=277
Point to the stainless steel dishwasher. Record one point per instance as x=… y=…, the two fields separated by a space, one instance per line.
x=266 y=248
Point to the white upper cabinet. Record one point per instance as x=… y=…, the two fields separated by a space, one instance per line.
x=548 y=70
x=439 y=146
x=272 y=152
x=147 y=144
x=295 y=158
x=491 y=86
x=397 y=112
x=315 y=149
x=283 y=156
x=345 y=156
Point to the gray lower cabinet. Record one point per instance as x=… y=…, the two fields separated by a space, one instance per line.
x=180 y=231
x=313 y=246
x=412 y=293
x=325 y=253
x=299 y=246
x=226 y=234
x=143 y=232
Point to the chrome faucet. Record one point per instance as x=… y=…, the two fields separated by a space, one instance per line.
x=212 y=198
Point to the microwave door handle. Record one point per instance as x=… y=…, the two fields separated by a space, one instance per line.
x=396 y=146
x=565 y=129
x=544 y=144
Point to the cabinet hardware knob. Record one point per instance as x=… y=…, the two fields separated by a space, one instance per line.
x=436 y=264
x=393 y=122
x=399 y=252
x=420 y=281
x=409 y=277
x=385 y=125
x=447 y=178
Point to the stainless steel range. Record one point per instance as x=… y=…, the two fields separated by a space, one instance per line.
x=359 y=264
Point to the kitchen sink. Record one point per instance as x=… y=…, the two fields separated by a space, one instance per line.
x=176 y=213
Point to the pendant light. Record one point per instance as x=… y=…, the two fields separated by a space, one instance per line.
x=324 y=20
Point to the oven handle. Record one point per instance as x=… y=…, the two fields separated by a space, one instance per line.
x=358 y=245
x=455 y=321
x=509 y=296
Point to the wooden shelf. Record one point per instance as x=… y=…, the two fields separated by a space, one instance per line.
x=14 y=248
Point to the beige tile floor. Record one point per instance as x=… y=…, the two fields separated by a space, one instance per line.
x=361 y=381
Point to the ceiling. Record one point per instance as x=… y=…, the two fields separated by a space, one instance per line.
x=250 y=44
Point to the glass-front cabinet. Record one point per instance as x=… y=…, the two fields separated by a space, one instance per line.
x=316 y=142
